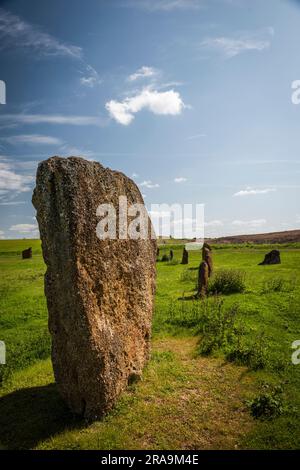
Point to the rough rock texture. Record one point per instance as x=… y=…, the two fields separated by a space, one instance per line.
x=271 y=258
x=203 y=275
x=207 y=257
x=26 y=254
x=185 y=257
x=100 y=293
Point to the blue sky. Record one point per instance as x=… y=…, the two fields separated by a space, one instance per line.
x=191 y=98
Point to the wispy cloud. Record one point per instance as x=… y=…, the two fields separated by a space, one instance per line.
x=148 y=184
x=180 y=179
x=18 y=33
x=214 y=223
x=165 y=5
x=91 y=77
x=11 y=203
x=249 y=223
x=143 y=72
x=163 y=103
x=253 y=192
x=245 y=42
x=51 y=119
x=25 y=228
x=12 y=181
x=15 y=32
x=32 y=139
x=196 y=136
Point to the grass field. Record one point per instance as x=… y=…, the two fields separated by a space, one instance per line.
x=220 y=376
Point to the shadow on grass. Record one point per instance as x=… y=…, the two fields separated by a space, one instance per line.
x=30 y=415
x=189 y=297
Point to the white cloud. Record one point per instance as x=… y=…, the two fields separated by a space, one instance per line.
x=68 y=150
x=253 y=192
x=148 y=184
x=180 y=179
x=231 y=47
x=12 y=203
x=18 y=33
x=143 y=72
x=196 y=136
x=32 y=139
x=50 y=119
x=213 y=223
x=2 y=235
x=163 y=103
x=165 y=5
x=249 y=223
x=24 y=228
x=91 y=78
x=11 y=181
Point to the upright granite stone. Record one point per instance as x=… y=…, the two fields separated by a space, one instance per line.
x=207 y=257
x=185 y=256
x=203 y=275
x=100 y=293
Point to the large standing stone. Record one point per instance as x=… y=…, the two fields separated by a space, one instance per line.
x=99 y=293
x=271 y=258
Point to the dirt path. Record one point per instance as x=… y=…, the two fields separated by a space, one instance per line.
x=206 y=403
x=183 y=402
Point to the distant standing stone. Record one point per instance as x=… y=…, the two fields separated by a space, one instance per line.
x=207 y=257
x=171 y=255
x=185 y=256
x=203 y=275
x=26 y=254
x=100 y=293
x=271 y=258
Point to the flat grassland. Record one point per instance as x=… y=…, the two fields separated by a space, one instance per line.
x=220 y=376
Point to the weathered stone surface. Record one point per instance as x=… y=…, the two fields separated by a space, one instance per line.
x=271 y=258
x=100 y=293
x=185 y=256
x=207 y=257
x=203 y=275
x=26 y=254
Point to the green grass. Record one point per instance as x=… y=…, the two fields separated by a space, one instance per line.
x=206 y=397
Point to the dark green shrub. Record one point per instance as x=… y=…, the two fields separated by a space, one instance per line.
x=268 y=404
x=227 y=281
